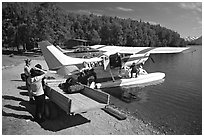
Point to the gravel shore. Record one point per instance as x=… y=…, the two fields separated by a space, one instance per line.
x=17 y=113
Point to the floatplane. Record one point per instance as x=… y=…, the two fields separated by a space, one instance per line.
x=106 y=65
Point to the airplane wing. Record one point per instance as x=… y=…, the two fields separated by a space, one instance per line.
x=139 y=50
x=57 y=60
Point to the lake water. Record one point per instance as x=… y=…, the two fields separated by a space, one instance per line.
x=174 y=106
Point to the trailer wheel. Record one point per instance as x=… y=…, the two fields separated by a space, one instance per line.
x=47 y=111
x=51 y=110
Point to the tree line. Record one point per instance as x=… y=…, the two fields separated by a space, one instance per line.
x=28 y=23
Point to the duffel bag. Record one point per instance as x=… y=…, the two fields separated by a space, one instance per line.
x=23 y=76
x=75 y=88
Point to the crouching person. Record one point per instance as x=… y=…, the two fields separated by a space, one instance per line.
x=37 y=89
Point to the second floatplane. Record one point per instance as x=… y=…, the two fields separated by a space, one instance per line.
x=109 y=69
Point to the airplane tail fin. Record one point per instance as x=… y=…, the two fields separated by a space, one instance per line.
x=54 y=58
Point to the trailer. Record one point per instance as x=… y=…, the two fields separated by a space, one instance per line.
x=86 y=100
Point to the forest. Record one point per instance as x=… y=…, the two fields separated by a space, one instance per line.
x=26 y=23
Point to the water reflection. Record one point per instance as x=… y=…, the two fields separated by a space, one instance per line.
x=132 y=93
x=175 y=105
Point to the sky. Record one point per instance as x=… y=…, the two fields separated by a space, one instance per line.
x=182 y=17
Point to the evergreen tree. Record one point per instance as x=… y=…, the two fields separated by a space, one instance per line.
x=28 y=23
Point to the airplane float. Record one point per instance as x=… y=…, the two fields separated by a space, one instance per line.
x=106 y=65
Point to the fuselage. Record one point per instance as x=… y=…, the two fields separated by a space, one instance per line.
x=103 y=71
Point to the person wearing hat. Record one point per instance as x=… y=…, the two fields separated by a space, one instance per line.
x=28 y=74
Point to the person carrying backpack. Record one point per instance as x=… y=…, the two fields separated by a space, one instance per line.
x=35 y=82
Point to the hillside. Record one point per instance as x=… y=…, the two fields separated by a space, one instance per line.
x=28 y=23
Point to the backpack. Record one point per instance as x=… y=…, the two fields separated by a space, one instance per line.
x=23 y=76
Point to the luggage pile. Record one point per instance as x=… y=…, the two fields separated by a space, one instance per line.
x=71 y=86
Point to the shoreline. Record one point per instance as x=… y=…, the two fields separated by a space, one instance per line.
x=17 y=114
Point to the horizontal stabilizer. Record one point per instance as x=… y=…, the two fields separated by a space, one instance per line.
x=64 y=51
